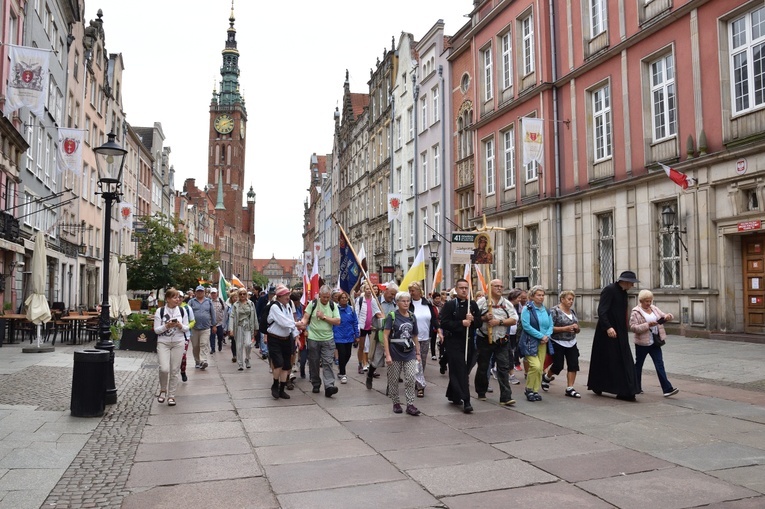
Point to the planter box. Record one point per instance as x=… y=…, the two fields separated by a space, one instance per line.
x=141 y=340
x=135 y=304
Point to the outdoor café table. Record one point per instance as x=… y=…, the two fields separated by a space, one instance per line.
x=79 y=322
x=12 y=319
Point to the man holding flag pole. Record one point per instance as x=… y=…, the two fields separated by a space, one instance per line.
x=460 y=317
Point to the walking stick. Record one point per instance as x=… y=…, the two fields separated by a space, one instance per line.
x=467 y=329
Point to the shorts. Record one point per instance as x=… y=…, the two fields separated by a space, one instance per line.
x=366 y=335
x=280 y=352
x=571 y=356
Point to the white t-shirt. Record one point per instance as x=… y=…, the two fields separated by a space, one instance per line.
x=422 y=313
x=650 y=317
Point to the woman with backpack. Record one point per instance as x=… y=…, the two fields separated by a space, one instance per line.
x=535 y=338
x=401 y=352
x=243 y=325
x=171 y=324
x=345 y=335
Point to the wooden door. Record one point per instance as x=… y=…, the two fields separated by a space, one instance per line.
x=754 y=283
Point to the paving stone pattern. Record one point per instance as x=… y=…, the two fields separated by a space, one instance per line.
x=97 y=476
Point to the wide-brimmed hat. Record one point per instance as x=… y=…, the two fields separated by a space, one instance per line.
x=628 y=276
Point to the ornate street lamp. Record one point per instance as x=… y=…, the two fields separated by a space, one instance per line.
x=110 y=158
x=433 y=245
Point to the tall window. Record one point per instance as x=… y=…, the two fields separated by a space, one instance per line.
x=512 y=255
x=398 y=133
x=527 y=31
x=533 y=232
x=597 y=17
x=489 y=166
x=509 y=142
x=507 y=46
x=29 y=131
x=424 y=214
x=663 y=98
x=424 y=109
x=606 y=249
x=436 y=106
x=488 y=92
x=747 y=65
x=46 y=164
x=436 y=165
x=410 y=119
x=410 y=171
x=601 y=112
x=669 y=262
x=437 y=217
x=410 y=223
x=424 y=167
x=532 y=171
x=39 y=155
x=397 y=181
x=399 y=228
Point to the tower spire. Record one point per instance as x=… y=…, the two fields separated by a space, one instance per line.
x=229 y=71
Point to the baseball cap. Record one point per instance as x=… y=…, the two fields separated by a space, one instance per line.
x=200 y=287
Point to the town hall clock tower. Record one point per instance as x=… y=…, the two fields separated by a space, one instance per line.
x=234 y=229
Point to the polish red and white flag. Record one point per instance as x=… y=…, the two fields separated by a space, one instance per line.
x=679 y=178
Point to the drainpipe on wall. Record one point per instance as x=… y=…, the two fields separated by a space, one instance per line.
x=390 y=179
x=556 y=142
x=415 y=135
x=444 y=120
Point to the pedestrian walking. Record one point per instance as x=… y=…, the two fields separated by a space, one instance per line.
x=171 y=325
x=243 y=323
x=320 y=316
x=401 y=352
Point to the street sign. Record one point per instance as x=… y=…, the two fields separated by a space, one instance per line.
x=749 y=225
x=389 y=269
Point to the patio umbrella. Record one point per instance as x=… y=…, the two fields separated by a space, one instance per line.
x=122 y=290
x=38 y=311
x=114 y=296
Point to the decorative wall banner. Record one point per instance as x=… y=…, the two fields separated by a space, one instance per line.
x=69 y=150
x=533 y=139
x=28 y=80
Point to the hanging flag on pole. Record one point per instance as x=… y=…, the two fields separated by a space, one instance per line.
x=533 y=139
x=69 y=150
x=350 y=269
x=679 y=178
x=236 y=282
x=416 y=271
x=466 y=274
x=395 y=206
x=362 y=256
x=315 y=271
x=306 y=279
x=438 y=277
x=125 y=214
x=222 y=286
x=481 y=280
x=28 y=80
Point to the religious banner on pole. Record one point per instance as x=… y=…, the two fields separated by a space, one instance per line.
x=473 y=247
x=28 y=80
x=69 y=150
x=533 y=140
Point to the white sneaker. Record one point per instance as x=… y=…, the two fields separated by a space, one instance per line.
x=494 y=373
x=514 y=380
x=366 y=368
x=343 y=379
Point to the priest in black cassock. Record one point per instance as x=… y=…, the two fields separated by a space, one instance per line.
x=612 y=368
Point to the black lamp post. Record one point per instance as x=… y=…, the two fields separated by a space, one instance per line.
x=110 y=158
x=165 y=261
x=433 y=245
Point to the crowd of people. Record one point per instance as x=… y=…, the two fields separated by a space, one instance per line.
x=500 y=334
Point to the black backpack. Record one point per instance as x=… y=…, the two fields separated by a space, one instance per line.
x=263 y=322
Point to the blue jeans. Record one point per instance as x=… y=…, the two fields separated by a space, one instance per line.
x=658 y=361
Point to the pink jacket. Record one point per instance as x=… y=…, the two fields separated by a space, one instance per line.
x=639 y=326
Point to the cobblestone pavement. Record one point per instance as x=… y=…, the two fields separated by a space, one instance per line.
x=704 y=446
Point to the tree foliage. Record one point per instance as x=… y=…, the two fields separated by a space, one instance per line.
x=259 y=279
x=146 y=271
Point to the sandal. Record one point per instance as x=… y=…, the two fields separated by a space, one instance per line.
x=161 y=397
x=171 y=401
x=420 y=393
x=571 y=393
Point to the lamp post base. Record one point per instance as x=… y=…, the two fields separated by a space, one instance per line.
x=111 y=391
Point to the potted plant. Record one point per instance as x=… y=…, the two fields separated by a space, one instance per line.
x=138 y=333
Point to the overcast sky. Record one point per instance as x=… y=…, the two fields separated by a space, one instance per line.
x=293 y=57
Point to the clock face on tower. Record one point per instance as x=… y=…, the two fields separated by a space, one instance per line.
x=224 y=124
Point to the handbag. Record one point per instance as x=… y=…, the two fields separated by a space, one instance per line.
x=657 y=340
